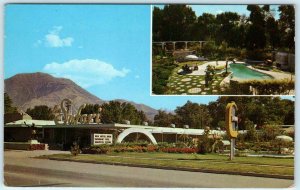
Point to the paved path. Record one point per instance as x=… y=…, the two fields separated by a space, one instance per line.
x=21 y=170
x=202 y=68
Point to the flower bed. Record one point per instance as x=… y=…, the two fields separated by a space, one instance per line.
x=103 y=149
x=179 y=150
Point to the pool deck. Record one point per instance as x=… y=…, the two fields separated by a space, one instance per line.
x=202 y=68
x=275 y=75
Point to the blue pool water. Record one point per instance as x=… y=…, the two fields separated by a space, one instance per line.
x=241 y=71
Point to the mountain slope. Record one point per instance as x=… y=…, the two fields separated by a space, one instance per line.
x=29 y=90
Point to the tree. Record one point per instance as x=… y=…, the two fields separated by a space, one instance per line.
x=117 y=112
x=256 y=37
x=206 y=26
x=157 y=24
x=287 y=25
x=173 y=22
x=91 y=109
x=163 y=119
x=273 y=33
x=41 y=112
x=193 y=114
x=228 y=29
x=257 y=110
x=8 y=105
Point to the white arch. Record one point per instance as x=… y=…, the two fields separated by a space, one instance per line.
x=135 y=130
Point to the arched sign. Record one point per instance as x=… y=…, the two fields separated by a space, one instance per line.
x=231 y=120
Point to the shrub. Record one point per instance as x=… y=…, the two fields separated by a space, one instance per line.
x=161 y=70
x=257 y=54
x=179 y=147
x=75 y=150
x=266 y=87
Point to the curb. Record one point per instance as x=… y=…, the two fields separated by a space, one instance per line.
x=181 y=169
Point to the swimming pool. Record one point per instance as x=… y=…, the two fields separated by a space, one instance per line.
x=241 y=71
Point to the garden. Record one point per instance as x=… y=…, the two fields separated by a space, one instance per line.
x=258 y=41
x=258 y=153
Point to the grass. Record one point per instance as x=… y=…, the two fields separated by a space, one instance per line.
x=278 y=166
x=181 y=84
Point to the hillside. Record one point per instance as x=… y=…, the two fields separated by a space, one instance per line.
x=29 y=90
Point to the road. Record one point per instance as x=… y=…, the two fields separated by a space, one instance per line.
x=20 y=169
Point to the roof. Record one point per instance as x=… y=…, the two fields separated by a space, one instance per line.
x=29 y=122
x=152 y=129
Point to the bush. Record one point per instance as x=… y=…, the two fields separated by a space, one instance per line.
x=266 y=87
x=257 y=54
x=100 y=149
x=140 y=147
x=75 y=150
x=161 y=70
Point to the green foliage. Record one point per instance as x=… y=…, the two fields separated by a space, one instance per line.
x=287 y=26
x=256 y=54
x=193 y=114
x=173 y=22
x=75 y=150
x=251 y=134
x=259 y=30
x=163 y=119
x=269 y=132
x=256 y=37
x=257 y=87
x=161 y=70
x=8 y=105
x=91 y=109
x=227 y=28
x=117 y=112
x=254 y=110
x=209 y=49
x=205 y=144
x=41 y=112
x=209 y=74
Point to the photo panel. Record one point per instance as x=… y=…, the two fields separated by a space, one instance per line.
x=140 y=95
x=223 y=49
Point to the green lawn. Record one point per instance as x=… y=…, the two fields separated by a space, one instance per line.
x=279 y=166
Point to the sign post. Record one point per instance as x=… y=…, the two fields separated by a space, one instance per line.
x=231 y=125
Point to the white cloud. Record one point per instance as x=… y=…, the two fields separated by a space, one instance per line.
x=86 y=73
x=53 y=39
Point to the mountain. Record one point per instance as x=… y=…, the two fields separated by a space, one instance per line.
x=31 y=89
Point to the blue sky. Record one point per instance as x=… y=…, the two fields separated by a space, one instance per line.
x=217 y=9
x=103 y=48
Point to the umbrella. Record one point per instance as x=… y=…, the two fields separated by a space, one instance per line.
x=284 y=138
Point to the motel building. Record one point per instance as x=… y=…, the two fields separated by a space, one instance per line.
x=60 y=136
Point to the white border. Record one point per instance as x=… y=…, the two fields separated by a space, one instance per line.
x=2 y=4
